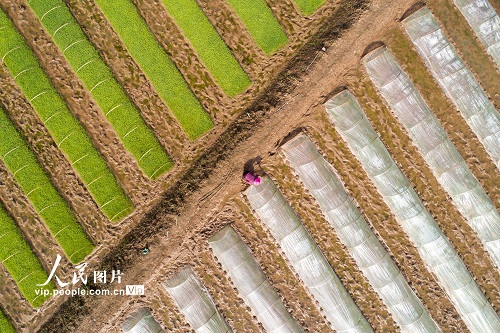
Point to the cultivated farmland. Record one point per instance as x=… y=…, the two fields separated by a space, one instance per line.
x=361 y=221
x=98 y=79
x=67 y=132
x=19 y=259
x=261 y=24
x=208 y=44
x=23 y=165
x=157 y=66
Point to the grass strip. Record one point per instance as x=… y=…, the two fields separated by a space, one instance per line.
x=260 y=22
x=136 y=136
x=55 y=212
x=67 y=132
x=23 y=265
x=307 y=7
x=213 y=52
x=156 y=64
x=5 y=325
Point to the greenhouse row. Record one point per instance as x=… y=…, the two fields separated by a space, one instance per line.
x=195 y=303
x=251 y=283
x=353 y=231
x=141 y=321
x=306 y=258
x=485 y=22
x=433 y=246
x=440 y=154
x=456 y=80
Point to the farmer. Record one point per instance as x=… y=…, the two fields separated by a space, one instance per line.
x=250 y=178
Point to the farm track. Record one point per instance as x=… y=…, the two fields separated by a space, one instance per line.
x=182 y=218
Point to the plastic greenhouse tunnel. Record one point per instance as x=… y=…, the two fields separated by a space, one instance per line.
x=370 y=255
x=306 y=258
x=141 y=321
x=440 y=154
x=195 y=303
x=251 y=283
x=456 y=80
x=433 y=246
x=485 y=22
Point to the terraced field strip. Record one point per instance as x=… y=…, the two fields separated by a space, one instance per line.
x=23 y=164
x=156 y=64
x=208 y=44
x=309 y=6
x=260 y=22
x=136 y=136
x=5 y=326
x=23 y=265
x=67 y=132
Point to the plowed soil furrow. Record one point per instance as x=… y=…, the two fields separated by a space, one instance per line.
x=79 y=100
x=130 y=76
x=336 y=253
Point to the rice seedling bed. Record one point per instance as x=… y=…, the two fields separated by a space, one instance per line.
x=157 y=66
x=261 y=24
x=22 y=264
x=208 y=44
x=67 y=132
x=136 y=136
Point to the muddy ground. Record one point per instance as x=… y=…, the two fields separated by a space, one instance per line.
x=207 y=195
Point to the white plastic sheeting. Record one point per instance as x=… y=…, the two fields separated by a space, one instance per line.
x=195 y=303
x=439 y=152
x=306 y=258
x=434 y=248
x=456 y=80
x=252 y=285
x=141 y=321
x=485 y=22
x=356 y=235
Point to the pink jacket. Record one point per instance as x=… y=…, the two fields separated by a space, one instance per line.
x=251 y=179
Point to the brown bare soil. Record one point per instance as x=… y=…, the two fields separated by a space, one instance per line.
x=177 y=213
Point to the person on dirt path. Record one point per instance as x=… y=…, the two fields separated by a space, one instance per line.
x=251 y=179
x=250 y=175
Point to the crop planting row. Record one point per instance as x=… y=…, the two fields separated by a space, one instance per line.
x=208 y=44
x=309 y=6
x=261 y=24
x=5 y=326
x=23 y=165
x=98 y=79
x=22 y=264
x=67 y=132
x=154 y=61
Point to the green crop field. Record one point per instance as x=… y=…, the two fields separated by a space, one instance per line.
x=22 y=264
x=260 y=22
x=157 y=66
x=309 y=6
x=23 y=164
x=67 y=132
x=137 y=138
x=5 y=326
x=206 y=41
